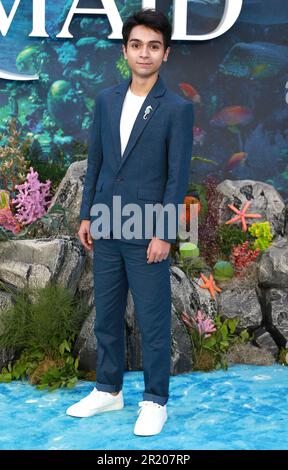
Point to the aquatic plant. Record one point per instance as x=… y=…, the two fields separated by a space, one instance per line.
x=211 y=339
x=8 y=221
x=54 y=166
x=283 y=356
x=31 y=202
x=209 y=223
x=12 y=160
x=223 y=270
x=192 y=266
x=229 y=236
x=262 y=232
x=4 y=199
x=123 y=68
x=200 y=329
x=41 y=325
x=242 y=256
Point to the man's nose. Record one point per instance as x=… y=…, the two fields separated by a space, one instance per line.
x=144 y=51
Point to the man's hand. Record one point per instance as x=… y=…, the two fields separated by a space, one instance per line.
x=157 y=250
x=84 y=235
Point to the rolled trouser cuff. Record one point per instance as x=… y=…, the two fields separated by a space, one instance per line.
x=156 y=398
x=108 y=388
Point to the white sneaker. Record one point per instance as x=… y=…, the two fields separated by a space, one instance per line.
x=151 y=419
x=96 y=402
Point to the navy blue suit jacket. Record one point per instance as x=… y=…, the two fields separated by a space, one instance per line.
x=156 y=162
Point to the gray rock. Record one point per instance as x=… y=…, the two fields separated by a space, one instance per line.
x=181 y=355
x=6 y=356
x=69 y=196
x=86 y=344
x=273 y=265
x=36 y=262
x=241 y=303
x=85 y=288
x=184 y=294
x=265 y=341
x=5 y=300
x=277 y=299
x=207 y=304
x=264 y=197
x=248 y=354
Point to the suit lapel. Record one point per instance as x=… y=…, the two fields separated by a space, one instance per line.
x=116 y=109
x=140 y=123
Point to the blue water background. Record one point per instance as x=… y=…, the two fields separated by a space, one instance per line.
x=243 y=408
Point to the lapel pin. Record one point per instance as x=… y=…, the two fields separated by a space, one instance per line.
x=147 y=111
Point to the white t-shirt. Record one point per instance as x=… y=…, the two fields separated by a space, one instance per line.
x=130 y=110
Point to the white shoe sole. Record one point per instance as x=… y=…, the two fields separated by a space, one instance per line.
x=114 y=407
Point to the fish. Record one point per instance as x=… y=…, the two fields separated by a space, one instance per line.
x=236 y=159
x=255 y=60
x=204 y=160
x=253 y=11
x=232 y=116
x=190 y=92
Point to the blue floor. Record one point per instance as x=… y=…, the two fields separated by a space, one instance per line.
x=243 y=408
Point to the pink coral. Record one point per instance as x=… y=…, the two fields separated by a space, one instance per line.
x=8 y=221
x=205 y=325
x=31 y=200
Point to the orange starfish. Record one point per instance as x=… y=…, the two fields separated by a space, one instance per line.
x=241 y=215
x=210 y=285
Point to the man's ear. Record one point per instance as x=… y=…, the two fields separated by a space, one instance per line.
x=166 y=54
x=124 y=50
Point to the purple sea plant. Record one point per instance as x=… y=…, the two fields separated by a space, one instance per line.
x=31 y=202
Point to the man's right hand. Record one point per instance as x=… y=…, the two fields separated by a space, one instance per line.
x=85 y=236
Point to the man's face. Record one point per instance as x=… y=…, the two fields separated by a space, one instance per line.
x=145 y=51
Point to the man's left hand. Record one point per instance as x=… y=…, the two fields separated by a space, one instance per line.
x=158 y=250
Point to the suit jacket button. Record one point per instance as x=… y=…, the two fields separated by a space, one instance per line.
x=119 y=179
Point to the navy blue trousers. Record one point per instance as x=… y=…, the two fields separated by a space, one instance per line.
x=118 y=266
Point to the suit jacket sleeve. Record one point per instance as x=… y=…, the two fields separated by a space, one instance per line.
x=95 y=158
x=180 y=142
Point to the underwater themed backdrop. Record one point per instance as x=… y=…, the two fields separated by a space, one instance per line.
x=238 y=83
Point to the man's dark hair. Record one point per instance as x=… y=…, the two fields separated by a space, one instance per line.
x=151 y=18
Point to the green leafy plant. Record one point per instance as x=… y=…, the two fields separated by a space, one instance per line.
x=283 y=356
x=192 y=266
x=223 y=338
x=211 y=339
x=229 y=236
x=41 y=325
x=262 y=232
x=12 y=156
x=55 y=167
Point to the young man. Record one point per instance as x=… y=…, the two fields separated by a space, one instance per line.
x=140 y=150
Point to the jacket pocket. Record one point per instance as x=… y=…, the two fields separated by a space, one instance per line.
x=150 y=194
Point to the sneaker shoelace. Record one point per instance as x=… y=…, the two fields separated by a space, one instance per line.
x=148 y=404
x=92 y=395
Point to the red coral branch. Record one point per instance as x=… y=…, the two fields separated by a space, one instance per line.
x=242 y=256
